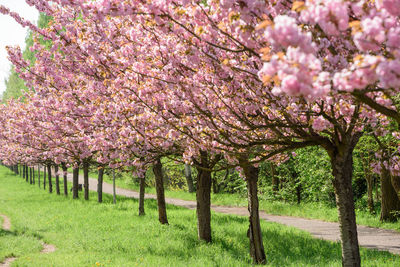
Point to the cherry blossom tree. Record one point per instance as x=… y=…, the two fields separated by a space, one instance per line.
x=243 y=80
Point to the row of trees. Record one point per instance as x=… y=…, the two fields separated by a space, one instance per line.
x=215 y=84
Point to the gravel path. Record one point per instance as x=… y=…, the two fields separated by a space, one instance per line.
x=373 y=238
x=47 y=248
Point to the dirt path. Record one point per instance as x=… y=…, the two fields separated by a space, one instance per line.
x=7 y=227
x=6 y=222
x=47 y=248
x=373 y=238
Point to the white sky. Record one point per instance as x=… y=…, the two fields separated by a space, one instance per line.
x=11 y=33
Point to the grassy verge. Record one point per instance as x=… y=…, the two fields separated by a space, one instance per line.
x=92 y=234
x=17 y=243
x=315 y=210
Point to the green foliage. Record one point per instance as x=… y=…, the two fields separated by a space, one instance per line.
x=308 y=171
x=86 y=233
x=174 y=175
x=15 y=86
x=315 y=174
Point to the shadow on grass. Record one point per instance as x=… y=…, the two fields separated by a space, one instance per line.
x=4 y=233
x=283 y=245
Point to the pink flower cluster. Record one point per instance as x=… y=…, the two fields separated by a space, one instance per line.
x=332 y=16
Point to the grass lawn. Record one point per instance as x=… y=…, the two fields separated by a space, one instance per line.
x=90 y=234
x=314 y=210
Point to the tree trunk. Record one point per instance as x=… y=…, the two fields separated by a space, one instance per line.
x=44 y=177
x=30 y=175
x=142 y=185
x=298 y=193
x=33 y=175
x=254 y=232
x=57 y=179
x=49 y=178
x=396 y=184
x=298 y=187
x=65 y=169
x=26 y=174
x=189 y=179
x=275 y=180
x=342 y=170
x=162 y=211
x=86 y=179
x=38 y=169
x=203 y=198
x=100 y=184
x=75 y=182
x=114 y=191
x=390 y=203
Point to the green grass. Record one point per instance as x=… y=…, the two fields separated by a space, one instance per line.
x=90 y=234
x=17 y=243
x=309 y=210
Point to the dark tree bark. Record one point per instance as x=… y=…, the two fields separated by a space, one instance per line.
x=275 y=179
x=254 y=232
x=341 y=157
x=44 y=177
x=57 y=179
x=298 y=193
x=162 y=211
x=38 y=175
x=49 y=178
x=100 y=184
x=26 y=174
x=390 y=202
x=203 y=197
x=297 y=182
x=142 y=184
x=65 y=169
x=16 y=169
x=86 y=179
x=396 y=184
x=30 y=175
x=33 y=175
x=189 y=178
x=75 y=182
